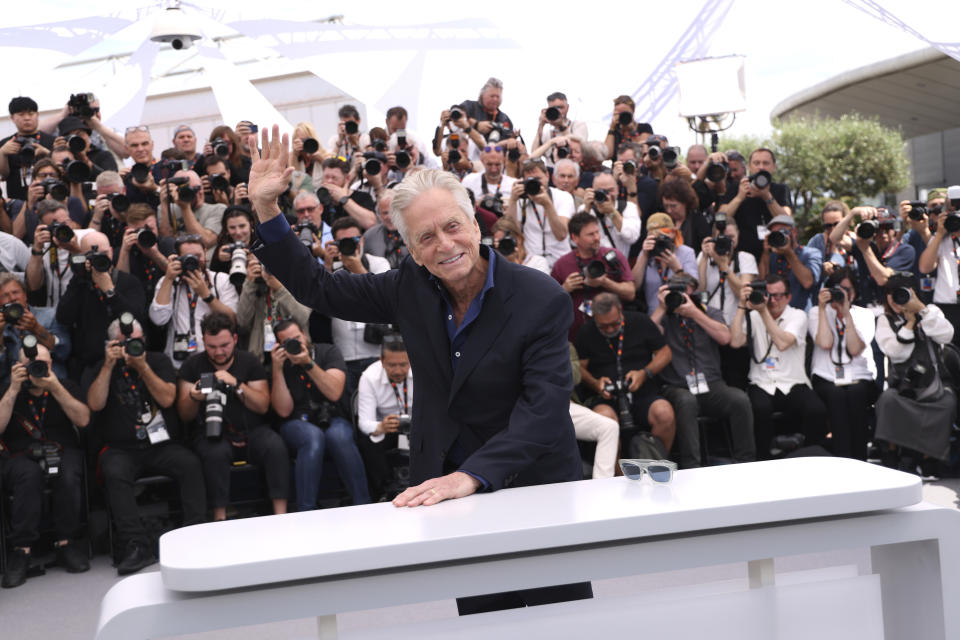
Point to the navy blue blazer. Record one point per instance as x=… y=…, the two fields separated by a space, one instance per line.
x=508 y=402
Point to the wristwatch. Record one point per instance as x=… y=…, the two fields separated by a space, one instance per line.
x=239 y=391
x=768 y=200
x=109 y=294
x=34 y=252
x=208 y=299
x=467 y=129
x=344 y=200
x=632 y=195
x=309 y=365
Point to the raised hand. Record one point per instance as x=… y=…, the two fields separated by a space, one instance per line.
x=270 y=173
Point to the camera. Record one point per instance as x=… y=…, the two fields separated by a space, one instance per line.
x=837 y=294
x=675 y=297
x=717 y=172
x=760 y=179
x=402 y=158
x=146 y=238
x=189 y=262
x=221 y=147
x=79 y=105
x=55 y=188
x=238 y=262
x=917 y=210
x=777 y=239
x=12 y=312
x=758 y=292
x=493 y=204
x=600 y=195
x=404 y=426
x=292 y=346
x=619 y=391
x=305 y=231
x=373 y=162
x=35 y=368
x=219 y=182
x=507 y=244
x=348 y=246
x=380 y=146
x=630 y=167
x=214 y=404
x=498 y=133
x=326 y=200
x=653 y=150
x=99 y=261
x=625 y=118
x=455 y=113
x=513 y=154
x=187 y=193
x=140 y=172
x=61 y=232
x=594 y=269
x=453 y=157
x=952 y=223
x=532 y=186
x=118 y=201
x=563 y=151
x=351 y=127
x=133 y=346
x=553 y=114
x=901 y=295
x=784 y=444
x=661 y=244
x=76 y=171
x=670 y=157
x=720 y=222
x=723 y=245
x=608 y=262
x=28 y=150
x=311 y=145
x=76 y=143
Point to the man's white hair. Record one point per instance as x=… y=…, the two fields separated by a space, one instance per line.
x=109 y=178
x=491 y=83
x=305 y=195
x=567 y=162
x=420 y=182
x=113 y=331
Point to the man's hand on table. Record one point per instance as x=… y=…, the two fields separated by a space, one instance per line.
x=455 y=485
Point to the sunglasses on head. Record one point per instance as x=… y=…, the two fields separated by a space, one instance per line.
x=488 y=148
x=660 y=471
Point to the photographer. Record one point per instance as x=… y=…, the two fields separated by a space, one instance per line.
x=713 y=185
x=110 y=208
x=784 y=256
x=542 y=210
x=96 y=295
x=775 y=334
x=723 y=269
x=509 y=242
x=184 y=210
x=694 y=383
x=491 y=181
x=384 y=407
x=843 y=368
x=620 y=353
x=132 y=393
x=383 y=239
x=348 y=139
x=311 y=216
x=216 y=182
x=662 y=254
x=484 y=113
x=98 y=160
x=566 y=177
x=17 y=318
x=86 y=106
x=590 y=269
x=38 y=414
x=236 y=228
x=554 y=118
x=876 y=248
x=143 y=252
x=560 y=148
x=263 y=303
x=757 y=201
x=224 y=392
x=185 y=141
x=916 y=221
x=696 y=158
x=835 y=254
x=619 y=219
x=339 y=201
x=369 y=174
x=622 y=126
x=226 y=144
x=19 y=151
x=681 y=204
x=358 y=342
x=186 y=294
x=306 y=152
x=47 y=183
x=917 y=410
x=654 y=166
x=941 y=255
x=141 y=187
x=48 y=272
x=308 y=383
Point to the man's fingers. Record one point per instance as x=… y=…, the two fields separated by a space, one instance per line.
x=275 y=143
x=284 y=158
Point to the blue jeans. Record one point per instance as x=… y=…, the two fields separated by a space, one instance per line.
x=309 y=441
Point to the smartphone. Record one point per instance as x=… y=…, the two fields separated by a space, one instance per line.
x=254 y=128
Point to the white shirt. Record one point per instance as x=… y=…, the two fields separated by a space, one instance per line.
x=946 y=287
x=628 y=233
x=537 y=262
x=780 y=370
x=178 y=310
x=376 y=400
x=860 y=367
x=347 y=335
x=538 y=236
x=474 y=182
x=934 y=324
x=747 y=266
x=14 y=254
x=575 y=128
x=58 y=280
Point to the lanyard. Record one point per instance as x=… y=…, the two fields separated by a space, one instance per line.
x=145 y=410
x=37 y=413
x=686 y=332
x=841 y=327
x=483 y=185
x=55 y=268
x=750 y=342
x=271 y=308
x=406 y=407
x=543 y=231
x=192 y=304
x=619 y=350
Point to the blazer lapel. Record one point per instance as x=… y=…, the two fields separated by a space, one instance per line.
x=430 y=317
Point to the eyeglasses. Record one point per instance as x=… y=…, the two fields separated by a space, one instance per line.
x=306 y=209
x=829 y=225
x=660 y=471
x=488 y=148
x=778 y=296
x=139 y=127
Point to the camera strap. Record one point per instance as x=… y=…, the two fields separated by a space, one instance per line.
x=606 y=231
x=406 y=407
x=686 y=333
x=483 y=185
x=38 y=409
x=60 y=275
x=841 y=327
x=750 y=347
x=145 y=407
x=618 y=350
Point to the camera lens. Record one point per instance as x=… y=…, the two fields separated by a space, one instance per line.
x=347 y=246
x=119 y=202
x=600 y=195
x=761 y=179
x=553 y=114
x=723 y=245
x=837 y=294
x=403 y=159
x=190 y=262
x=139 y=172
x=513 y=154
x=777 y=239
x=716 y=172
x=629 y=167
x=756 y=297
x=311 y=145
x=219 y=182
x=653 y=151
x=146 y=238
x=221 y=147
x=62 y=233
x=372 y=166
x=453 y=156
x=292 y=346
x=134 y=347
x=12 y=312
x=625 y=118
x=532 y=186
x=238 y=264
x=351 y=127
x=670 y=157
x=563 y=152
x=185 y=193
x=37 y=369
x=76 y=143
x=29 y=345
x=952 y=223
x=100 y=262
x=58 y=190
x=867 y=229
x=673 y=300
x=595 y=269
x=507 y=245
x=901 y=295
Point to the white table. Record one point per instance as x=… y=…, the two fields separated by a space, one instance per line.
x=322 y=563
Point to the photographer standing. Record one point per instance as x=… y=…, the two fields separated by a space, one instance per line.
x=132 y=393
x=224 y=390
x=184 y=210
x=724 y=270
x=98 y=160
x=783 y=256
x=484 y=113
x=542 y=210
x=49 y=267
x=662 y=254
x=185 y=294
x=17 y=318
x=943 y=256
x=554 y=119
x=16 y=162
x=38 y=413
x=383 y=239
x=340 y=201
x=618 y=218
x=308 y=385
x=757 y=201
x=491 y=182
x=263 y=303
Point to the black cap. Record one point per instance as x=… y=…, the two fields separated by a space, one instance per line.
x=21 y=104
x=72 y=123
x=644 y=127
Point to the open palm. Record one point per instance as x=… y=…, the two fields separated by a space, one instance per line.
x=269 y=174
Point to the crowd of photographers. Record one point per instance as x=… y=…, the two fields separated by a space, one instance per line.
x=135 y=315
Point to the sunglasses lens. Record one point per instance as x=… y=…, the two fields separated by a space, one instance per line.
x=631 y=470
x=659 y=473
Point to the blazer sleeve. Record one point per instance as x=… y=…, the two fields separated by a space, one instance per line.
x=359 y=298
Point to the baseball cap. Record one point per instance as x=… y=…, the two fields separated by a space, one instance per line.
x=787 y=220
x=72 y=123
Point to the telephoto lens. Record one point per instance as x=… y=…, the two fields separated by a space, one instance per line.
x=311 y=145
x=305 y=232
x=372 y=167
x=532 y=186
x=867 y=229
x=553 y=114
x=717 y=172
x=670 y=158
x=76 y=172
x=55 y=188
x=238 y=263
x=12 y=312
x=777 y=239
x=453 y=156
x=214 y=406
x=99 y=261
x=190 y=262
x=134 y=347
x=761 y=179
x=402 y=158
x=455 y=113
x=563 y=152
x=219 y=182
x=625 y=118
x=119 y=202
x=952 y=223
x=76 y=143
x=351 y=127
x=901 y=295
x=348 y=246
x=513 y=154
x=140 y=172
x=404 y=426
x=292 y=346
x=146 y=238
x=674 y=297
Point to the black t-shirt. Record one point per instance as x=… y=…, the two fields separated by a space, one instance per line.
x=708 y=196
x=695 y=228
x=641 y=338
x=102 y=160
x=128 y=399
x=753 y=212
x=138 y=196
x=237 y=419
x=476 y=111
x=17 y=182
x=145 y=270
x=306 y=397
x=45 y=413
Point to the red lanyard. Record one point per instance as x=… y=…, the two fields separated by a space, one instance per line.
x=406 y=407
x=306 y=381
x=687 y=334
x=619 y=350
x=38 y=415
x=271 y=309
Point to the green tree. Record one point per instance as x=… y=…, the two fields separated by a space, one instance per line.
x=743 y=143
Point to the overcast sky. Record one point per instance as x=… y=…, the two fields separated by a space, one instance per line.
x=594 y=51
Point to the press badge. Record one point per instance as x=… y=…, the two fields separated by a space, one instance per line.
x=840 y=376
x=191 y=344
x=269 y=340
x=157 y=429
x=586 y=308
x=697 y=384
x=927 y=284
x=770 y=363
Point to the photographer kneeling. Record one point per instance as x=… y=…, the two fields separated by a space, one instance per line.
x=917 y=410
x=308 y=383
x=225 y=391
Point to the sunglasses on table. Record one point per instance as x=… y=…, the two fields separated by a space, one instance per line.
x=660 y=471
